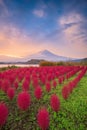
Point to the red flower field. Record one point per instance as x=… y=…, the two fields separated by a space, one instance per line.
x=42 y=97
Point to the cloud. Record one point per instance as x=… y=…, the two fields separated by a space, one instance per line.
x=66 y=25
x=39 y=13
x=70 y=18
x=16 y=42
x=4 y=11
x=73 y=25
x=75 y=34
x=70 y=36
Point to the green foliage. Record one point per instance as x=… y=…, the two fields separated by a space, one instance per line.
x=12 y=67
x=9 y=67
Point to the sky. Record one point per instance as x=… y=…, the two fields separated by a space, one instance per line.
x=29 y=26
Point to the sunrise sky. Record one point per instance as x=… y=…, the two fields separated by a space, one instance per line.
x=29 y=26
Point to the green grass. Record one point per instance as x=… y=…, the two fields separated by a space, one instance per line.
x=72 y=114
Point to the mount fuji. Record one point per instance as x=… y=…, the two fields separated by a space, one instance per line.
x=47 y=55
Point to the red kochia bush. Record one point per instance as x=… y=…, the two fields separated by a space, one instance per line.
x=16 y=84
x=35 y=82
x=48 y=87
x=60 y=80
x=5 y=85
x=55 y=102
x=43 y=118
x=54 y=84
x=38 y=92
x=3 y=113
x=25 y=85
x=11 y=93
x=23 y=100
x=65 y=92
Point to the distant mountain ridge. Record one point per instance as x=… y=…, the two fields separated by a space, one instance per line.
x=80 y=60
x=85 y=59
